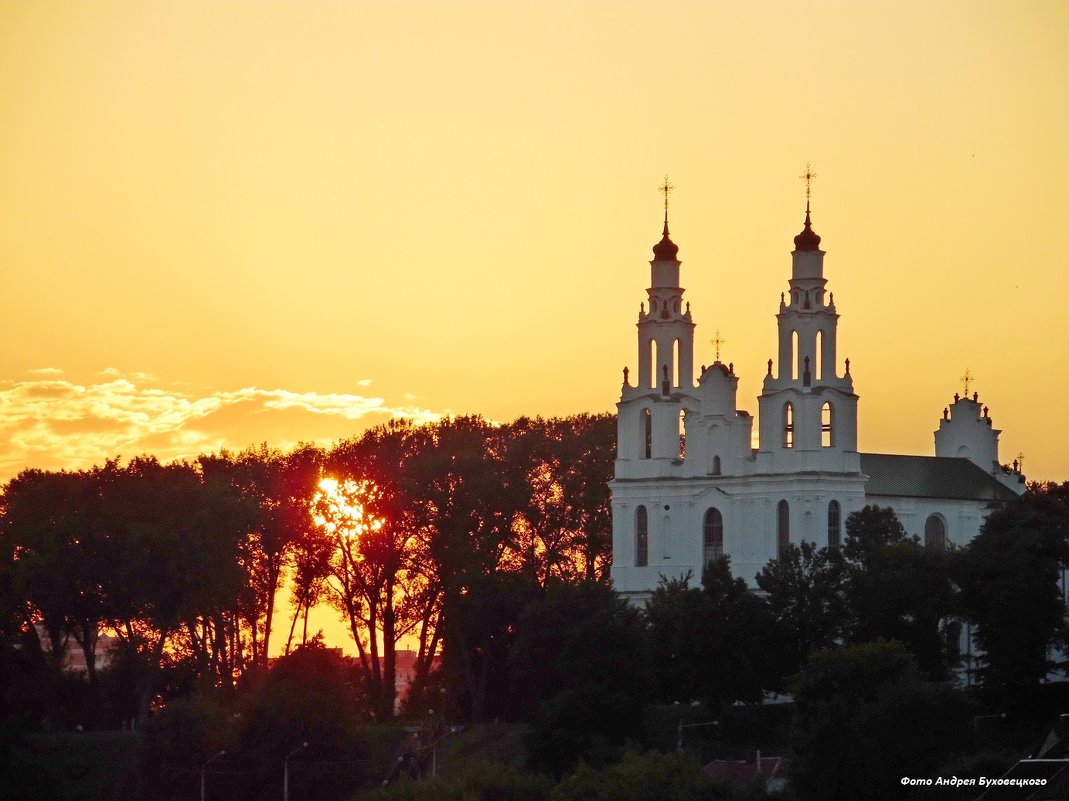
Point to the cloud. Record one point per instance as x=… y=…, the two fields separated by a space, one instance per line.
x=45 y=371
x=52 y=423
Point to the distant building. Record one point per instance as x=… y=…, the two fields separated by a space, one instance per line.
x=74 y=657
x=405 y=674
x=689 y=487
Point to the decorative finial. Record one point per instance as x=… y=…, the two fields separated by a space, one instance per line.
x=848 y=367
x=716 y=342
x=808 y=177
x=946 y=413
x=626 y=371
x=1020 y=462
x=666 y=187
x=770 y=367
x=808 y=240
x=966 y=379
x=666 y=249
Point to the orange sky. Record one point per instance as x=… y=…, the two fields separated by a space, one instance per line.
x=232 y=222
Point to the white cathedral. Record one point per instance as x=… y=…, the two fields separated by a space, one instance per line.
x=689 y=487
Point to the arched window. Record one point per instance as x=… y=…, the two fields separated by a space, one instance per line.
x=788 y=425
x=647 y=434
x=818 y=356
x=835 y=514
x=682 y=434
x=827 y=432
x=795 y=356
x=935 y=533
x=713 y=536
x=716 y=465
x=953 y=636
x=675 y=364
x=642 y=537
x=783 y=529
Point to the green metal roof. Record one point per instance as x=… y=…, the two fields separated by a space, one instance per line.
x=930 y=477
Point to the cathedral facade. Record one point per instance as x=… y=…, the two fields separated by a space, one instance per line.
x=689 y=487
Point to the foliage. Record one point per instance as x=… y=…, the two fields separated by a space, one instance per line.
x=183 y=562
x=865 y=717
x=476 y=781
x=896 y=589
x=579 y=673
x=710 y=644
x=1009 y=577
x=643 y=777
x=805 y=594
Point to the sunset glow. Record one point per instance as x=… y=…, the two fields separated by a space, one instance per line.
x=236 y=223
x=338 y=510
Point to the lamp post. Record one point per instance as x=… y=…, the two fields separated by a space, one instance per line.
x=682 y=725
x=286 y=770
x=203 y=774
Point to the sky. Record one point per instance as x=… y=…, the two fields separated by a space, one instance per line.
x=226 y=223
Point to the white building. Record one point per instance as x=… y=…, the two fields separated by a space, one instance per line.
x=689 y=487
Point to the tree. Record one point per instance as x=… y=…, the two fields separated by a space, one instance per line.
x=1009 y=577
x=378 y=579
x=468 y=543
x=643 y=777
x=276 y=490
x=557 y=472
x=713 y=644
x=864 y=718
x=805 y=591
x=579 y=670
x=176 y=583
x=896 y=589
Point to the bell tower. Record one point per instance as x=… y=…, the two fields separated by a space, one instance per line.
x=651 y=408
x=808 y=406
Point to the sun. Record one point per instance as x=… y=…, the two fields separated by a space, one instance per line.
x=338 y=508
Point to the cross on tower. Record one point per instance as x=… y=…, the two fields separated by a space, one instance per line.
x=966 y=379
x=808 y=177
x=666 y=187
x=1020 y=462
x=716 y=342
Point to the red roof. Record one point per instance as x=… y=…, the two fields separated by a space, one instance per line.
x=741 y=772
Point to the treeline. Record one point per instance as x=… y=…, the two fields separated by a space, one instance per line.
x=432 y=533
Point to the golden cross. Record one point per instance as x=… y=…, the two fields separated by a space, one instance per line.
x=1020 y=462
x=666 y=187
x=967 y=379
x=808 y=177
x=716 y=342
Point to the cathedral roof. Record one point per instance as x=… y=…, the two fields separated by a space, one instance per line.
x=666 y=249
x=808 y=239
x=930 y=477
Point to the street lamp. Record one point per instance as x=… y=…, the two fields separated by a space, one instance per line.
x=286 y=770
x=203 y=773
x=682 y=725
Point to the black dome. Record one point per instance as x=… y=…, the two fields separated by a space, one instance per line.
x=808 y=239
x=666 y=249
